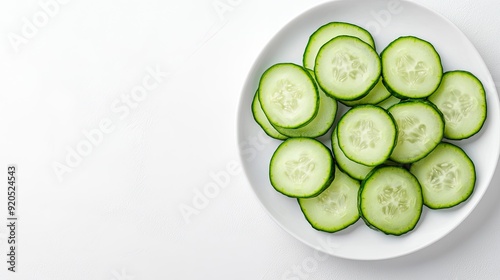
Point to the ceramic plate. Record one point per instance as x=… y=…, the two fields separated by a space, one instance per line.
x=386 y=20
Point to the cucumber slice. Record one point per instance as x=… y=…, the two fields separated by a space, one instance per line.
x=411 y=68
x=262 y=120
x=336 y=207
x=301 y=167
x=355 y=170
x=329 y=31
x=462 y=100
x=420 y=129
x=387 y=103
x=288 y=95
x=377 y=94
x=347 y=68
x=367 y=134
x=447 y=176
x=321 y=123
x=390 y=200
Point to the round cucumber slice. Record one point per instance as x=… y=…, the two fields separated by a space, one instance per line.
x=301 y=167
x=288 y=95
x=420 y=128
x=367 y=134
x=462 y=100
x=390 y=200
x=447 y=176
x=411 y=67
x=347 y=68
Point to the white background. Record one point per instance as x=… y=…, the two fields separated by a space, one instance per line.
x=114 y=212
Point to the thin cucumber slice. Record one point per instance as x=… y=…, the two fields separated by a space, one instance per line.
x=411 y=68
x=367 y=134
x=355 y=170
x=420 y=129
x=329 y=31
x=336 y=207
x=262 y=120
x=321 y=123
x=447 y=176
x=462 y=100
x=377 y=94
x=387 y=103
x=347 y=68
x=390 y=200
x=301 y=167
x=288 y=95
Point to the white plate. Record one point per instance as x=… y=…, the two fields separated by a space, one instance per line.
x=386 y=20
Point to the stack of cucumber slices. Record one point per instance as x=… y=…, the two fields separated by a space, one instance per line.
x=389 y=153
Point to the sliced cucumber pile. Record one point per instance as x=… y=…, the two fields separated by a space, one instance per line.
x=387 y=117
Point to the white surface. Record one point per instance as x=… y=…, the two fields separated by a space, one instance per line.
x=116 y=215
x=360 y=242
